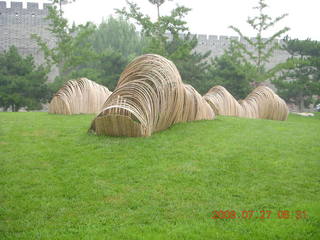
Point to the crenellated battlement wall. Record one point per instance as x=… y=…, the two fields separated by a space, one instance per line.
x=18 y=20
x=218 y=44
x=25 y=9
x=31 y=14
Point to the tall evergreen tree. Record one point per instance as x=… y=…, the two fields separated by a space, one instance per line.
x=22 y=84
x=76 y=54
x=230 y=71
x=118 y=34
x=298 y=80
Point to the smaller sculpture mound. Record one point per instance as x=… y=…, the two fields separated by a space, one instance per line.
x=262 y=102
x=79 y=96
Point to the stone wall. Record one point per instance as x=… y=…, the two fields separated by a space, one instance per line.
x=18 y=22
x=217 y=45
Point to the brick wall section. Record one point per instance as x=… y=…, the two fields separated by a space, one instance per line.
x=18 y=23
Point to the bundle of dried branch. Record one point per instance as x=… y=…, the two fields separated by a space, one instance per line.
x=150 y=97
x=79 y=96
x=262 y=102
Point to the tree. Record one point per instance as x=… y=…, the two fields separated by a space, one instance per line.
x=106 y=69
x=229 y=71
x=118 y=34
x=260 y=50
x=72 y=46
x=191 y=65
x=158 y=3
x=22 y=84
x=299 y=77
x=62 y=2
x=99 y=54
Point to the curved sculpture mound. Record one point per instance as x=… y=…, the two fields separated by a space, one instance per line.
x=262 y=102
x=79 y=96
x=150 y=96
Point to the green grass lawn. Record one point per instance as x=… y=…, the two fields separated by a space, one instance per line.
x=58 y=182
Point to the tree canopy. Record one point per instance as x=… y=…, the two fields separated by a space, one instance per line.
x=118 y=34
x=298 y=79
x=22 y=84
x=259 y=50
x=229 y=71
x=97 y=53
x=163 y=37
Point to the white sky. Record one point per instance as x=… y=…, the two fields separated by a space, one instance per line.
x=212 y=16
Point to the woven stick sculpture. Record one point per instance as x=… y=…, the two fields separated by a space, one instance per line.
x=150 y=96
x=262 y=102
x=79 y=96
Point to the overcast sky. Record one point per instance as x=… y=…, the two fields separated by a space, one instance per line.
x=212 y=16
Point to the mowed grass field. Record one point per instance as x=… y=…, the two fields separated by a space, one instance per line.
x=59 y=182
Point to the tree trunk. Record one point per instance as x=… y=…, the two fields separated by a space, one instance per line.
x=301 y=102
x=60 y=10
x=158 y=8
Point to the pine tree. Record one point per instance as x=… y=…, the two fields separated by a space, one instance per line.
x=22 y=84
x=298 y=80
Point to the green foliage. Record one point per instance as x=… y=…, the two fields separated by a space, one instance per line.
x=59 y=4
x=229 y=71
x=99 y=54
x=105 y=70
x=260 y=50
x=118 y=34
x=157 y=31
x=72 y=47
x=58 y=182
x=299 y=77
x=191 y=65
x=21 y=83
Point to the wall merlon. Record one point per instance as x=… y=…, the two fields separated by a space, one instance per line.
x=216 y=41
x=3 y=5
x=31 y=5
x=213 y=38
x=16 y=5
x=193 y=35
x=235 y=38
x=24 y=6
x=202 y=38
x=223 y=38
x=46 y=5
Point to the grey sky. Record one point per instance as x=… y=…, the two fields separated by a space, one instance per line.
x=212 y=16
